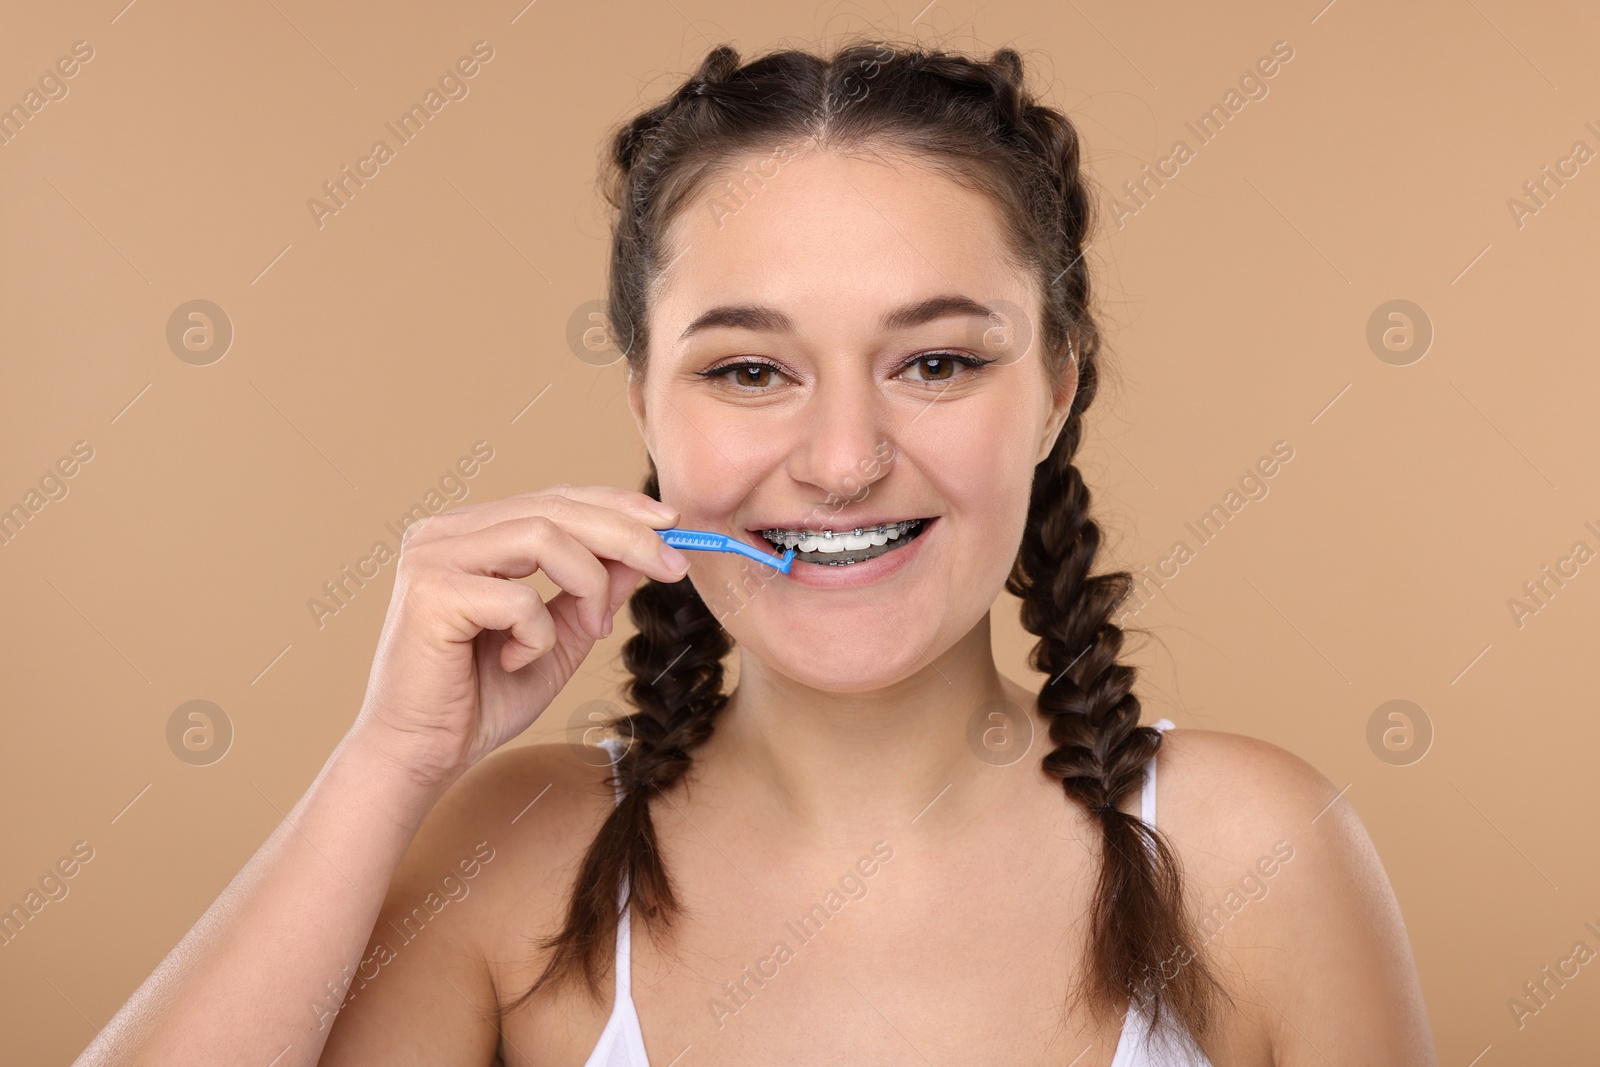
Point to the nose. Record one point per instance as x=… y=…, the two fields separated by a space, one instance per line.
x=843 y=447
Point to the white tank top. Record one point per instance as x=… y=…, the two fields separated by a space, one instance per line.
x=621 y=1043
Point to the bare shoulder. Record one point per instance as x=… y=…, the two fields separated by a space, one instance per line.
x=538 y=808
x=1292 y=900
x=1226 y=789
x=1233 y=804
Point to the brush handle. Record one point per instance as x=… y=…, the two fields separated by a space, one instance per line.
x=706 y=541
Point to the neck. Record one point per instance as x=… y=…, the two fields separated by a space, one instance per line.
x=851 y=764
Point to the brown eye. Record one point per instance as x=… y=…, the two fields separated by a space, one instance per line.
x=942 y=366
x=752 y=375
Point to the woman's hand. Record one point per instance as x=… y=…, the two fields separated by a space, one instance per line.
x=469 y=659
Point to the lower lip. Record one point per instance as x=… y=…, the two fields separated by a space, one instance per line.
x=851 y=575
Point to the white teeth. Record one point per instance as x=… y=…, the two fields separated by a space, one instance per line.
x=843 y=541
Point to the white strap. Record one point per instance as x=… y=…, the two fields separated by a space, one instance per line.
x=1147 y=796
x=613 y=747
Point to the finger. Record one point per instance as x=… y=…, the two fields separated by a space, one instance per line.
x=606 y=533
x=476 y=516
x=483 y=603
x=563 y=607
x=518 y=547
x=624 y=580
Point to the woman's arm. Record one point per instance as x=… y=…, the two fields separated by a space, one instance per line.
x=1296 y=906
x=239 y=987
x=469 y=657
x=486 y=876
x=1345 y=987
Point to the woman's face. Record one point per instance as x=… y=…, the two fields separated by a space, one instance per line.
x=805 y=374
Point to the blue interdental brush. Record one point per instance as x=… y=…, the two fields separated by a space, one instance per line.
x=706 y=541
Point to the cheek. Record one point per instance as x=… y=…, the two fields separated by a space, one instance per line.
x=982 y=468
x=699 y=471
x=730 y=588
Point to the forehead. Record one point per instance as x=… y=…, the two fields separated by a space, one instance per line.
x=832 y=240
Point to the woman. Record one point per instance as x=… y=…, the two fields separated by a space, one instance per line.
x=857 y=301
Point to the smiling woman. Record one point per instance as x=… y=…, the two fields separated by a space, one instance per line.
x=786 y=339
x=883 y=361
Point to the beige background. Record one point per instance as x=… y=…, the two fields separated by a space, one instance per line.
x=429 y=313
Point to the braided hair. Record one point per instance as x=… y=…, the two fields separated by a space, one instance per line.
x=977 y=122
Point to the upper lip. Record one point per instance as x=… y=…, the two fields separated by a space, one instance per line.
x=836 y=524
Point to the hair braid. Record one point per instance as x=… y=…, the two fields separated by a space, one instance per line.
x=1138 y=925
x=676 y=662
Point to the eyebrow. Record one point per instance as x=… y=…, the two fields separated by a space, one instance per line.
x=770 y=320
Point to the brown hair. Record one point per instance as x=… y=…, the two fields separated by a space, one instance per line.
x=975 y=121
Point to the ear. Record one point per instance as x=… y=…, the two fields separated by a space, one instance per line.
x=1065 y=391
x=636 y=404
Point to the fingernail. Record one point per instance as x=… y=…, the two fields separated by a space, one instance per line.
x=677 y=561
x=663 y=510
x=605 y=627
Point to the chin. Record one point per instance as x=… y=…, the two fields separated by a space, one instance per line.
x=841 y=665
